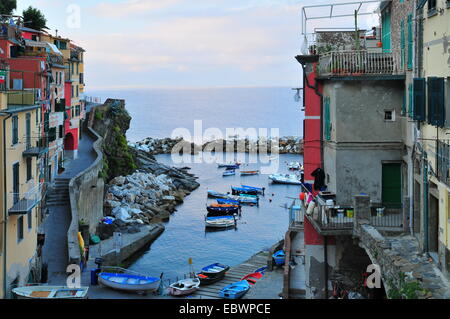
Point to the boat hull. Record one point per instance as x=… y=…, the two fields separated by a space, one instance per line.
x=108 y=280
x=50 y=292
x=184 y=287
x=220 y=222
x=235 y=291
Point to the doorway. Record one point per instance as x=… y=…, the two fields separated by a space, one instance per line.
x=433 y=226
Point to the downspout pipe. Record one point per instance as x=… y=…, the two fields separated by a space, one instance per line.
x=325 y=263
x=5 y=196
x=425 y=203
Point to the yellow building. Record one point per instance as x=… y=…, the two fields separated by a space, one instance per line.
x=20 y=190
x=432 y=103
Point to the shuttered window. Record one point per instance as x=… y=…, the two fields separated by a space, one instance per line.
x=15 y=130
x=327 y=124
x=443 y=162
x=410 y=101
x=436 y=101
x=386 y=30
x=419 y=99
x=447 y=99
x=402 y=43
x=410 y=42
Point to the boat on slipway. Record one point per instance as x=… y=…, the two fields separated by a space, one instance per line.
x=253 y=277
x=235 y=291
x=289 y=179
x=212 y=273
x=127 y=280
x=184 y=287
x=50 y=292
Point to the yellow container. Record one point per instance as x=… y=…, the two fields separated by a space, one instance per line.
x=350 y=213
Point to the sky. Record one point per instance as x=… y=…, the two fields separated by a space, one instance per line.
x=182 y=43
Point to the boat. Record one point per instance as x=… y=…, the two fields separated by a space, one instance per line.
x=295 y=166
x=184 y=287
x=261 y=270
x=232 y=166
x=285 y=179
x=235 y=290
x=228 y=201
x=50 y=292
x=223 y=209
x=245 y=200
x=244 y=173
x=229 y=173
x=124 y=279
x=245 y=191
x=215 y=194
x=279 y=257
x=253 y=277
x=212 y=273
x=220 y=221
x=258 y=189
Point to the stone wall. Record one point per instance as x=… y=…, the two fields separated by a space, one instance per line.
x=86 y=192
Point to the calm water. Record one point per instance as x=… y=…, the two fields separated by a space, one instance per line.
x=185 y=236
x=156 y=113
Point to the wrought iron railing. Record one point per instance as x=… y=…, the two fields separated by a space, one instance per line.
x=354 y=63
x=21 y=203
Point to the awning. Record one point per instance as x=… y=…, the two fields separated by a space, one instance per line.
x=46 y=45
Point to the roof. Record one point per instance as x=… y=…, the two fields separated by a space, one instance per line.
x=30 y=30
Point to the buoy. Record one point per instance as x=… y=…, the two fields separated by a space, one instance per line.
x=302 y=196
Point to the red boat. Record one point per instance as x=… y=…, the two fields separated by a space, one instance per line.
x=252 y=278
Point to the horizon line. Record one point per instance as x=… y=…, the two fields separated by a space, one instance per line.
x=126 y=87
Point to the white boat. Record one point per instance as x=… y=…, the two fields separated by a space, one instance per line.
x=184 y=287
x=220 y=221
x=295 y=166
x=285 y=179
x=50 y=292
x=129 y=281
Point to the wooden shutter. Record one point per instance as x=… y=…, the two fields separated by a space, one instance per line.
x=419 y=99
x=436 y=100
x=327 y=118
x=410 y=42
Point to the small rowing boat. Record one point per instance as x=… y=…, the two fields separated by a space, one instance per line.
x=245 y=173
x=222 y=209
x=220 y=221
x=229 y=173
x=235 y=290
x=129 y=281
x=295 y=166
x=212 y=273
x=233 y=166
x=279 y=257
x=253 y=277
x=50 y=292
x=258 y=189
x=285 y=179
x=244 y=191
x=261 y=270
x=215 y=194
x=184 y=287
x=228 y=201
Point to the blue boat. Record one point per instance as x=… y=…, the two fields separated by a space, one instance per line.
x=129 y=282
x=227 y=201
x=215 y=194
x=220 y=210
x=232 y=166
x=235 y=290
x=243 y=191
x=258 y=189
x=212 y=273
x=279 y=257
x=261 y=270
x=229 y=173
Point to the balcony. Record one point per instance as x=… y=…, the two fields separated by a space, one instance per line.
x=24 y=202
x=21 y=97
x=360 y=63
x=296 y=216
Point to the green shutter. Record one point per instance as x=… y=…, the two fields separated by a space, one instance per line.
x=410 y=101
x=327 y=118
x=402 y=43
x=404 y=103
x=410 y=42
x=386 y=30
x=419 y=97
x=436 y=100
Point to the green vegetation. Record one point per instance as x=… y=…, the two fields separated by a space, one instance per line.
x=404 y=290
x=33 y=18
x=98 y=115
x=7 y=6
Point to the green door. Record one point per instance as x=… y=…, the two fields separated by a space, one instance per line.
x=391 y=189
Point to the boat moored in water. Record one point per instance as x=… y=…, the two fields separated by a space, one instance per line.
x=229 y=173
x=258 y=189
x=295 y=166
x=285 y=179
x=245 y=173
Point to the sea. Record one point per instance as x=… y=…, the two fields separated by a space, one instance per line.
x=157 y=113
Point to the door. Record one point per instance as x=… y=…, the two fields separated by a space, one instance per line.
x=16 y=184
x=391 y=189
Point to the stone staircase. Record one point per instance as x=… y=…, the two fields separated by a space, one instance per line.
x=58 y=194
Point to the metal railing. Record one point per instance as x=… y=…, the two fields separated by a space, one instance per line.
x=21 y=203
x=383 y=217
x=331 y=217
x=21 y=97
x=353 y=63
x=296 y=214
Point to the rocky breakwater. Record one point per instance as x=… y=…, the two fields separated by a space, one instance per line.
x=284 y=145
x=148 y=196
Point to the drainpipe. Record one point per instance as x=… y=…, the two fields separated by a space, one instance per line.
x=425 y=201
x=325 y=257
x=5 y=196
x=413 y=190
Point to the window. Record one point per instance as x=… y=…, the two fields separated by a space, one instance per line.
x=61 y=131
x=436 y=101
x=402 y=44
x=19 y=228
x=447 y=111
x=389 y=115
x=419 y=99
x=78 y=67
x=73 y=91
x=78 y=91
x=432 y=7
x=15 y=130
x=52 y=134
x=386 y=29
x=29 y=168
x=30 y=219
x=410 y=100
x=410 y=42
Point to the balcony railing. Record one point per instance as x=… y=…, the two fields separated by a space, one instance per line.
x=19 y=97
x=357 y=63
x=21 y=203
